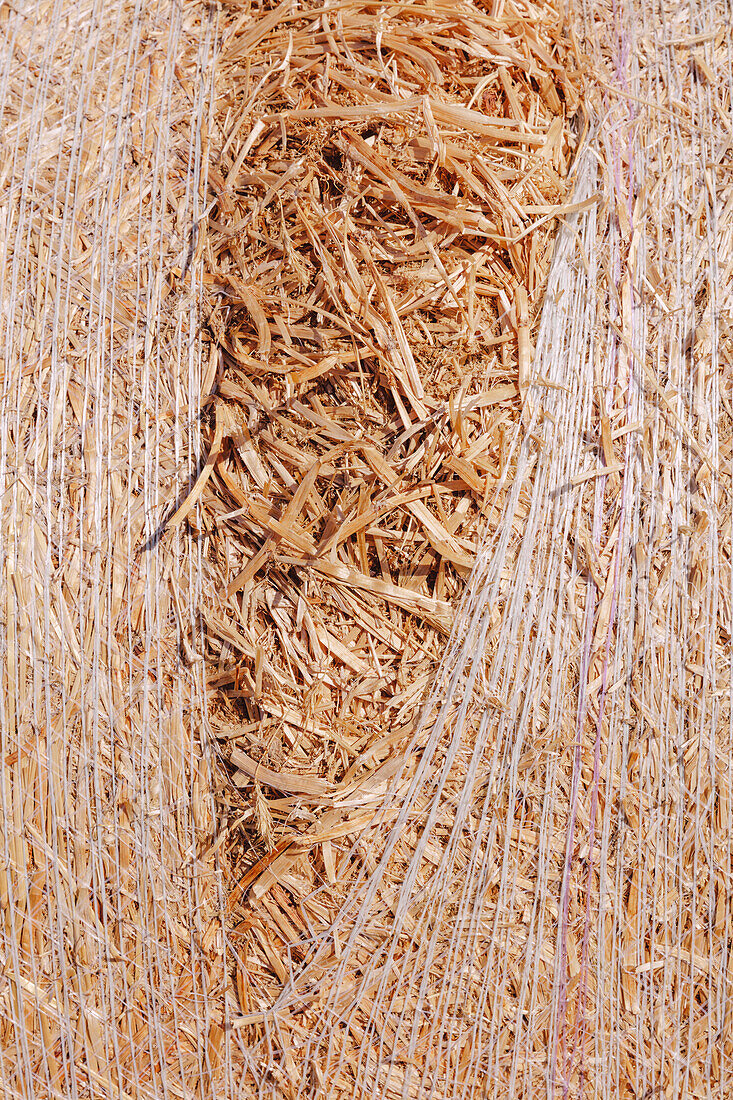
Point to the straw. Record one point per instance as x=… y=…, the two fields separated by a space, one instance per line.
x=385 y=201
x=366 y=453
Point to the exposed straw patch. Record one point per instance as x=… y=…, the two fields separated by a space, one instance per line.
x=386 y=194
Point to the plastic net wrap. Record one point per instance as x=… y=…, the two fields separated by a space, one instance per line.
x=216 y=225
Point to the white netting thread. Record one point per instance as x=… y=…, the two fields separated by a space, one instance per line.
x=103 y=789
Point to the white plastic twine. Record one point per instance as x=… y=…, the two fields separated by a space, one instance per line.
x=103 y=993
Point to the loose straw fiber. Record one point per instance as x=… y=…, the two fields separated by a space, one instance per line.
x=540 y=903
x=385 y=197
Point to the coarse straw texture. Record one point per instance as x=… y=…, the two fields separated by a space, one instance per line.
x=321 y=451
x=109 y=957
x=387 y=189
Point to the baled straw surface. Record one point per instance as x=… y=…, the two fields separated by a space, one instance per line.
x=540 y=903
x=108 y=954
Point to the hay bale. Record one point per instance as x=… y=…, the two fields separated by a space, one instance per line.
x=323 y=450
